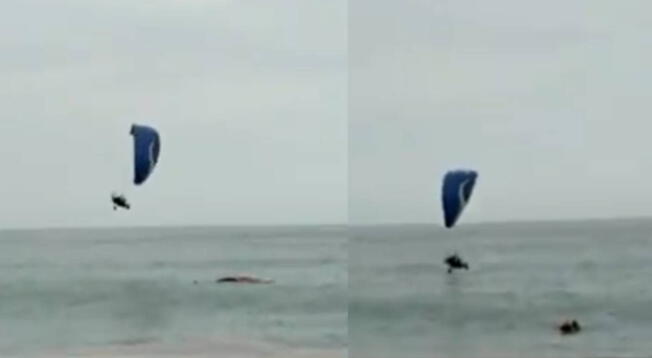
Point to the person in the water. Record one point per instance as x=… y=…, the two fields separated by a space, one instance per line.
x=241 y=279
x=119 y=201
x=454 y=262
x=569 y=327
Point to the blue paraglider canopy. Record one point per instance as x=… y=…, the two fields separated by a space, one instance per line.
x=456 y=192
x=147 y=146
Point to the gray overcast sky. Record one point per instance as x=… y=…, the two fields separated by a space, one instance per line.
x=249 y=96
x=548 y=100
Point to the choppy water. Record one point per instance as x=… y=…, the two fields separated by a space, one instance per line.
x=524 y=278
x=69 y=289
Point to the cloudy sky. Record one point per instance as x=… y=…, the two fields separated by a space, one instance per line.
x=249 y=96
x=548 y=100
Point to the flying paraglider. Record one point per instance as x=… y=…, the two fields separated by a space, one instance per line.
x=454 y=262
x=456 y=191
x=119 y=201
x=147 y=147
x=455 y=195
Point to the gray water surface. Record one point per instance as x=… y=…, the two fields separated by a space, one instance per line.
x=66 y=289
x=524 y=279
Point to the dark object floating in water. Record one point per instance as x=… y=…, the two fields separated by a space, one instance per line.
x=241 y=279
x=454 y=262
x=569 y=327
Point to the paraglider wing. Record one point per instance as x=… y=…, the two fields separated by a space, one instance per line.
x=456 y=192
x=147 y=146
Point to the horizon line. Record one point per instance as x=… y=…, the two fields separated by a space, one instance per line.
x=501 y=221
x=330 y=224
x=171 y=226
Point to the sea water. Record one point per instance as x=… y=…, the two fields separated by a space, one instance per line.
x=524 y=279
x=64 y=290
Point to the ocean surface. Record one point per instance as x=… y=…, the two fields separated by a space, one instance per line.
x=105 y=290
x=524 y=279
